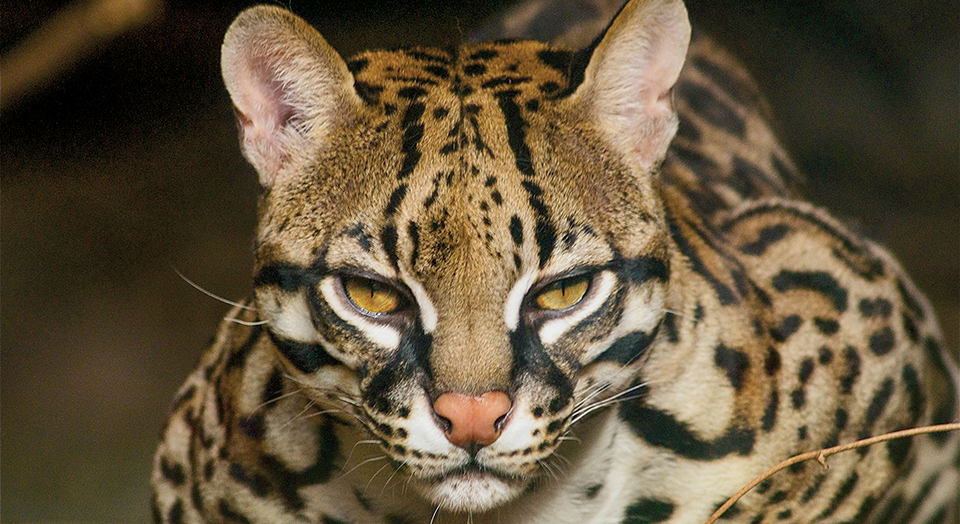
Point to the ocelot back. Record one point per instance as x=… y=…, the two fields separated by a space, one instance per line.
x=496 y=284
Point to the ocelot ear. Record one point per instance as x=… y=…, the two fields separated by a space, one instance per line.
x=626 y=85
x=289 y=87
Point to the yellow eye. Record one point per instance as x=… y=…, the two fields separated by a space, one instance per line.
x=372 y=296
x=563 y=293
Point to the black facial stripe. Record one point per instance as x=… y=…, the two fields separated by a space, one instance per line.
x=629 y=348
x=516 y=230
x=545 y=233
x=410 y=360
x=288 y=277
x=643 y=268
x=530 y=358
x=396 y=198
x=306 y=357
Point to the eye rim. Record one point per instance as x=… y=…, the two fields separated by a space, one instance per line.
x=404 y=298
x=590 y=275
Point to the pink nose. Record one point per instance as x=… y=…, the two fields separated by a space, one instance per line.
x=473 y=420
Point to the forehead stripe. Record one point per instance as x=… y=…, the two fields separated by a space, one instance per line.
x=545 y=233
x=413 y=231
x=396 y=198
x=412 y=133
x=516 y=135
x=388 y=239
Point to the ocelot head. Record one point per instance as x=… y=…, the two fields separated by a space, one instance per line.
x=466 y=249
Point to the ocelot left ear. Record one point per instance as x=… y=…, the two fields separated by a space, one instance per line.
x=289 y=87
x=626 y=87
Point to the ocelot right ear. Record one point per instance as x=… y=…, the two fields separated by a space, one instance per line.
x=627 y=84
x=289 y=87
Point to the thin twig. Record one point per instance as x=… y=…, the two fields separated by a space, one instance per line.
x=821 y=456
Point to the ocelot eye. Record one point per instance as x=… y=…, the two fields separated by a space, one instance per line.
x=563 y=293
x=371 y=296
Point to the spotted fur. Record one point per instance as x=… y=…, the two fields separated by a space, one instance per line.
x=726 y=325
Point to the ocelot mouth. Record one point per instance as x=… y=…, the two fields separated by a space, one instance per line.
x=472 y=488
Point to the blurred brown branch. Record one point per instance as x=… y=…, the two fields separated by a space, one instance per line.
x=64 y=39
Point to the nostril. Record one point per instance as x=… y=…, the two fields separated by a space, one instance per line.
x=500 y=422
x=444 y=423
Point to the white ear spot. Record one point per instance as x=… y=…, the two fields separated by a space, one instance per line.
x=628 y=81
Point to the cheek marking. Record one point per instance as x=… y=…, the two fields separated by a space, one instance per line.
x=511 y=309
x=291 y=318
x=428 y=313
x=552 y=330
x=384 y=336
x=293 y=321
x=643 y=310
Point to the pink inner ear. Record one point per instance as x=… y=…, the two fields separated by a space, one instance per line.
x=263 y=111
x=264 y=98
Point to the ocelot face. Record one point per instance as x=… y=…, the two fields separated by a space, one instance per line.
x=457 y=248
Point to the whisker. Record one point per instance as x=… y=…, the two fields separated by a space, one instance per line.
x=354 y=449
x=546 y=467
x=322 y=413
x=246 y=322
x=372 y=477
x=278 y=399
x=597 y=389
x=561 y=458
x=677 y=313
x=298 y=416
x=212 y=295
x=361 y=464
x=622 y=396
x=435 y=512
x=387 y=483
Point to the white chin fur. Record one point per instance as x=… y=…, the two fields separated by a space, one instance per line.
x=471 y=492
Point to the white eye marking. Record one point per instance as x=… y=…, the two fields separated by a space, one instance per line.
x=428 y=313
x=602 y=285
x=382 y=335
x=292 y=319
x=511 y=309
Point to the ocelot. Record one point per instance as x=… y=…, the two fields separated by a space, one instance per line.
x=510 y=282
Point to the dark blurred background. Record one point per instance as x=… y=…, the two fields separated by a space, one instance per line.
x=124 y=168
